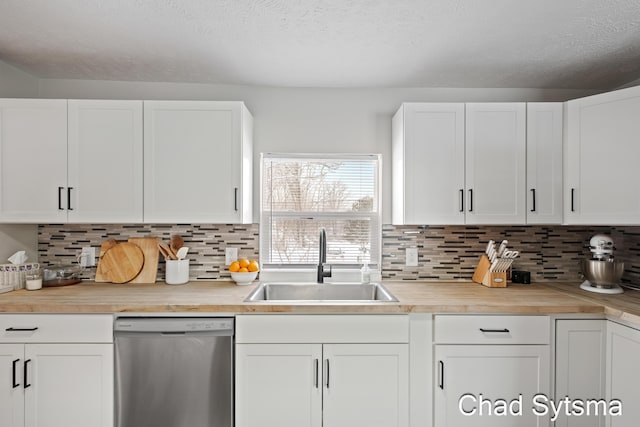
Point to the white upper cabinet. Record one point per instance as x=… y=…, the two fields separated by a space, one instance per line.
x=495 y=163
x=197 y=162
x=601 y=159
x=70 y=161
x=428 y=164
x=33 y=160
x=544 y=163
x=459 y=163
x=105 y=161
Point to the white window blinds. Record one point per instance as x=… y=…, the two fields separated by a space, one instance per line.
x=303 y=193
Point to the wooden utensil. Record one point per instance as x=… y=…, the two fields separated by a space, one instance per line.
x=176 y=243
x=102 y=275
x=123 y=261
x=165 y=250
x=149 y=246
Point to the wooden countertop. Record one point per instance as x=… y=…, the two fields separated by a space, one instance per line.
x=425 y=297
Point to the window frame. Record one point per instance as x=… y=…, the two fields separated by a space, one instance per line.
x=376 y=214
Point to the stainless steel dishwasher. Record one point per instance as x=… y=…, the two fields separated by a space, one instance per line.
x=174 y=372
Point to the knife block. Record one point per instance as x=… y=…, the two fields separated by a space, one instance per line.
x=488 y=278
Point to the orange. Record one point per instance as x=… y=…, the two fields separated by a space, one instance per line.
x=244 y=263
x=234 y=266
x=243 y=270
x=253 y=266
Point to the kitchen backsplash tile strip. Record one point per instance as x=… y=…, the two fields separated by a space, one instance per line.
x=550 y=253
x=207 y=242
x=627 y=244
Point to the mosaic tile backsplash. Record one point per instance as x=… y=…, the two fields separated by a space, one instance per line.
x=550 y=253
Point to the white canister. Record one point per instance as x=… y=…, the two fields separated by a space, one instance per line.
x=177 y=271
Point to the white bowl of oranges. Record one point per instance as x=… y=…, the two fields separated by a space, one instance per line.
x=244 y=271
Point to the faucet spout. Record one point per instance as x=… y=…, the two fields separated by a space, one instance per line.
x=322 y=259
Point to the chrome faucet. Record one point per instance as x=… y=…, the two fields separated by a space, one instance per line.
x=323 y=257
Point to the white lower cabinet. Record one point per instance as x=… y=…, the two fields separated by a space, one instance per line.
x=11 y=391
x=623 y=373
x=278 y=385
x=580 y=368
x=365 y=384
x=328 y=385
x=52 y=384
x=473 y=382
x=324 y=383
x=489 y=370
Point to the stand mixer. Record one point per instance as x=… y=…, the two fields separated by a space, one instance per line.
x=602 y=272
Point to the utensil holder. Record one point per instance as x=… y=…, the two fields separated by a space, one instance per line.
x=491 y=279
x=177 y=271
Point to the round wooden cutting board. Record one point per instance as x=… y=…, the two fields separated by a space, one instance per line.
x=123 y=262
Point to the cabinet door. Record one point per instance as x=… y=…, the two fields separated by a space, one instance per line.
x=71 y=385
x=623 y=375
x=601 y=159
x=366 y=385
x=192 y=161
x=428 y=164
x=105 y=161
x=495 y=163
x=11 y=385
x=580 y=366
x=278 y=385
x=544 y=163
x=465 y=372
x=33 y=160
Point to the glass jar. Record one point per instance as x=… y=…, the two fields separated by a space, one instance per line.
x=34 y=279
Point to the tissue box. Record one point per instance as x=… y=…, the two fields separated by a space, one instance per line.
x=13 y=276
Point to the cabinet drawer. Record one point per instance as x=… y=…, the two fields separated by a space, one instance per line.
x=277 y=328
x=60 y=328
x=475 y=329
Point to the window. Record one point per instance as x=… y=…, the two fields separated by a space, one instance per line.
x=303 y=193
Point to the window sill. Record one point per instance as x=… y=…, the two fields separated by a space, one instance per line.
x=310 y=275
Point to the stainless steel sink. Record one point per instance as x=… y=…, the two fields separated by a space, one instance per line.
x=321 y=292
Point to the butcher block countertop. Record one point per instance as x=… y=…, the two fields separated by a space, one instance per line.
x=424 y=297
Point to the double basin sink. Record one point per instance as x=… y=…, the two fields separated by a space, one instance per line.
x=321 y=292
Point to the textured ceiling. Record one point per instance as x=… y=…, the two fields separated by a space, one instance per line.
x=585 y=44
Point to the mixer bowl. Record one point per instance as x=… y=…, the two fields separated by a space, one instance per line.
x=602 y=273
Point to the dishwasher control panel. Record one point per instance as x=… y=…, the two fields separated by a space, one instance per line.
x=174 y=324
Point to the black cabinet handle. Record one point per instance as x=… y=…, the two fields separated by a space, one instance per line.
x=471 y=200
x=327 y=360
x=573 y=190
x=461 y=200
x=26 y=368
x=69 y=198
x=503 y=331
x=441 y=375
x=316 y=370
x=21 y=329
x=60 y=208
x=14 y=376
x=235 y=199
x=533 y=198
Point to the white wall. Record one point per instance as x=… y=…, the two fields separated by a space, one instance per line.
x=18 y=237
x=15 y=83
x=307 y=120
